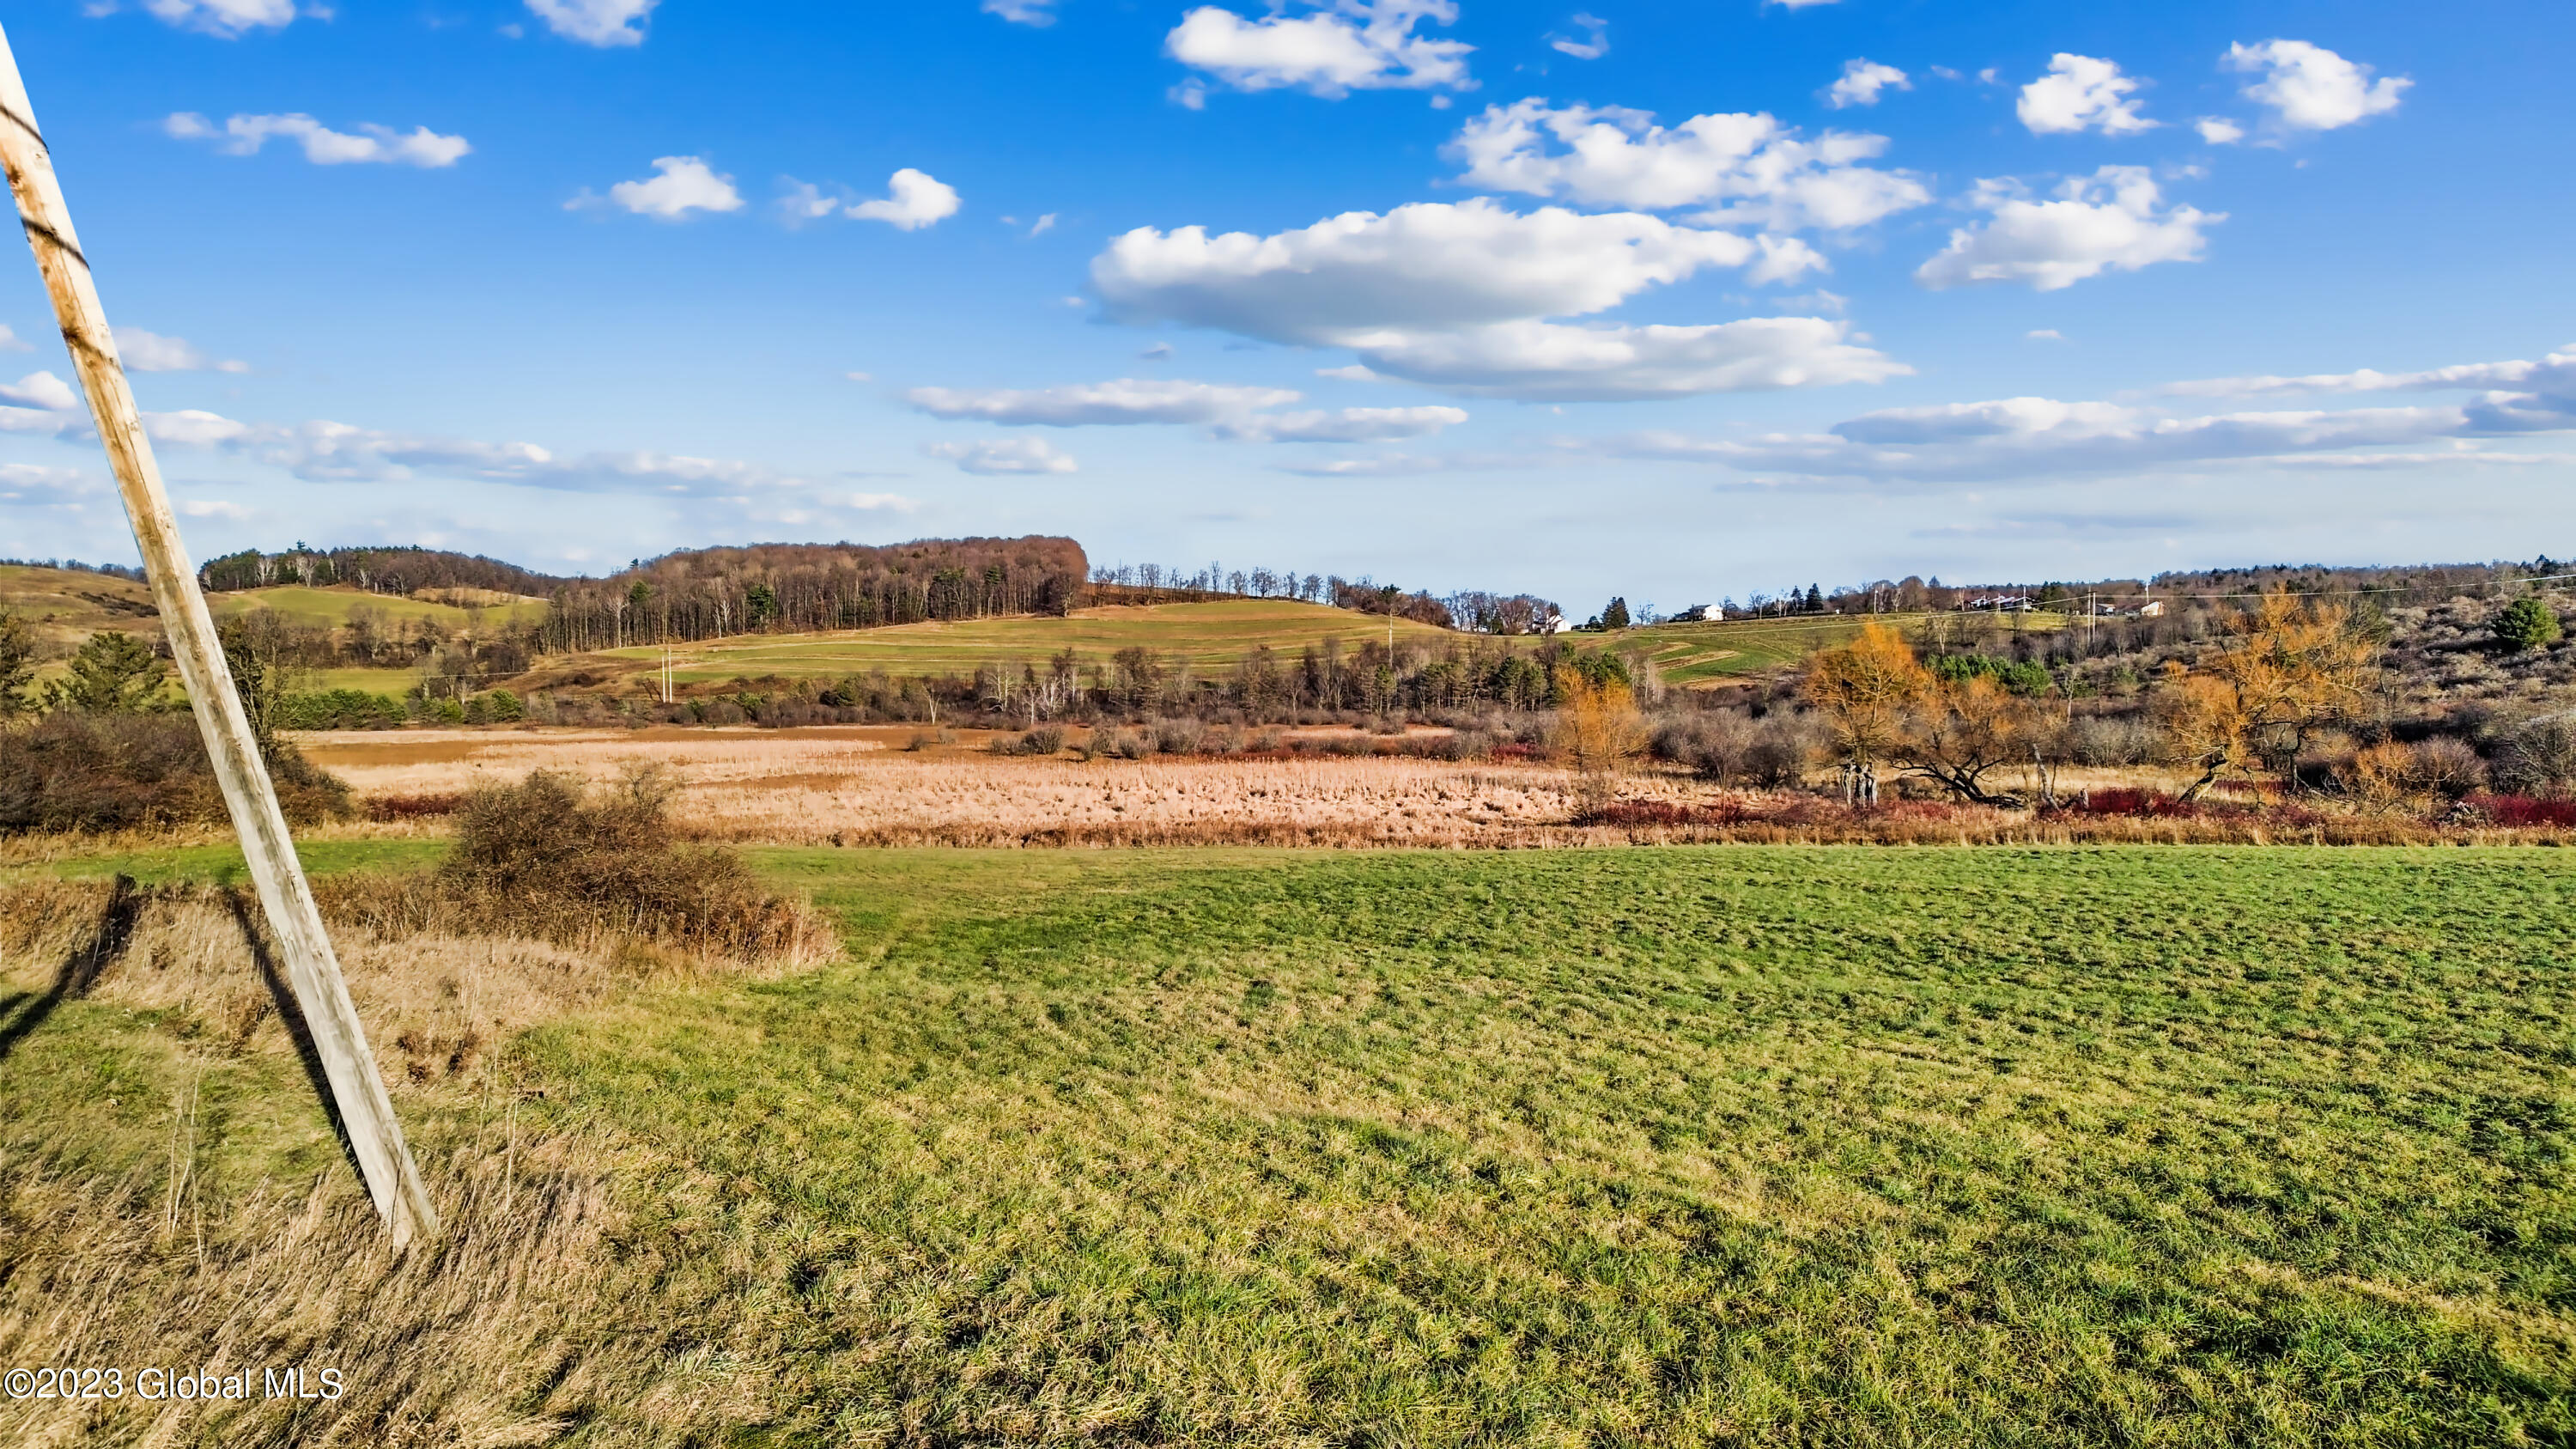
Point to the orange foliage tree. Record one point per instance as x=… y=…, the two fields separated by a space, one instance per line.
x=1865 y=688
x=1883 y=703
x=1597 y=729
x=2285 y=670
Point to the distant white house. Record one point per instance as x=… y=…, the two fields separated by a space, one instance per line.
x=2152 y=609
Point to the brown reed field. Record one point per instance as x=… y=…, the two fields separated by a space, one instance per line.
x=897 y=785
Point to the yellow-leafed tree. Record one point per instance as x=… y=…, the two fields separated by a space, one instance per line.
x=2284 y=670
x=1597 y=729
x=1885 y=705
x=1866 y=688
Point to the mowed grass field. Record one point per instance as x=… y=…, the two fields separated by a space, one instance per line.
x=1688 y=655
x=1659 y=1147
x=1210 y=636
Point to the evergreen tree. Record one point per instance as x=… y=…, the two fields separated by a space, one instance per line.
x=2526 y=623
x=114 y=673
x=1615 y=616
x=17 y=665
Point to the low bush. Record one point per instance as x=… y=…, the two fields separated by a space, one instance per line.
x=2521 y=810
x=2113 y=740
x=1044 y=740
x=385 y=809
x=548 y=858
x=70 y=771
x=2536 y=756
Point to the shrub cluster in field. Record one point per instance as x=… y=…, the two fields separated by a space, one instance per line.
x=547 y=857
x=69 y=771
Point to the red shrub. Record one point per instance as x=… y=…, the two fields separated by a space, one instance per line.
x=2524 y=810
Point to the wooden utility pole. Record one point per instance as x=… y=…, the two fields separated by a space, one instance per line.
x=366 y=1112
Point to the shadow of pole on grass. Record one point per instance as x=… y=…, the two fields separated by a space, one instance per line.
x=26 y=1011
x=238 y=901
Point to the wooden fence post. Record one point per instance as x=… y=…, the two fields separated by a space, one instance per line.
x=366 y=1112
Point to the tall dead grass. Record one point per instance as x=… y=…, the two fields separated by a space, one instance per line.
x=502 y=1332
x=512 y=1327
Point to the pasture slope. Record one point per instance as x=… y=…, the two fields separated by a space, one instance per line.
x=1214 y=637
x=1678 y=1147
x=1211 y=637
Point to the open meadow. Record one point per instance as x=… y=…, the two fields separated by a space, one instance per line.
x=1654 y=1147
x=1208 y=637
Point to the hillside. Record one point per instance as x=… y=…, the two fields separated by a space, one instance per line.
x=329 y=608
x=66 y=606
x=1211 y=637
x=1703 y=655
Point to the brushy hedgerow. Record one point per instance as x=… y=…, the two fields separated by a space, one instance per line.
x=68 y=771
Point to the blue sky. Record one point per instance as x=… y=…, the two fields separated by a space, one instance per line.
x=1673 y=300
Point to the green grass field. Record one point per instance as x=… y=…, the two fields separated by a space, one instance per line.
x=1624 y=1147
x=1213 y=636
x=1700 y=654
x=1210 y=636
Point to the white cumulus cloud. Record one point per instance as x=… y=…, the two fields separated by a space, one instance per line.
x=42 y=391
x=213 y=508
x=244 y=135
x=684 y=184
x=228 y=19
x=2113 y=220
x=2218 y=130
x=1745 y=167
x=2081 y=93
x=596 y=22
x=2310 y=88
x=1862 y=81
x=1425 y=265
x=143 y=351
x=916 y=199
x=1459 y=296
x=1338 y=47
x=1595 y=42
x=1004 y=455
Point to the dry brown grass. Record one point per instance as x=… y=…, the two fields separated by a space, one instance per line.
x=124 y=1262
x=859 y=787
x=434 y=1001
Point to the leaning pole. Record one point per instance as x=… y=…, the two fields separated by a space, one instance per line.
x=366 y=1112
